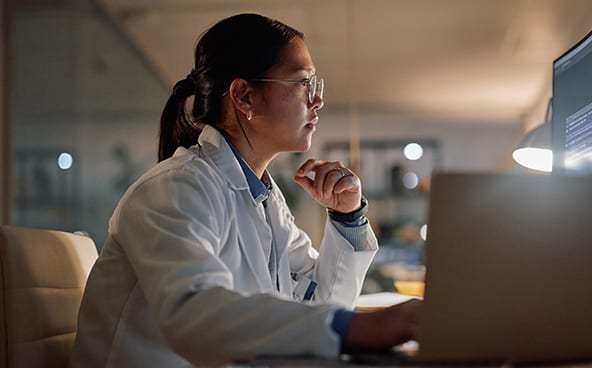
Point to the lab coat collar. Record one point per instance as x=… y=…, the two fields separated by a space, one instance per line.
x=258 y=189
x=214 y=145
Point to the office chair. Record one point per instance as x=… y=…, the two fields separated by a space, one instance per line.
x=42 y=278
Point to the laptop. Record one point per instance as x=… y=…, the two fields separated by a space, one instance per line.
x=509 y=270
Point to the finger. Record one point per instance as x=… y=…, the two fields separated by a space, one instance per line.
x=322 y=179
x=305 y=182
x=326 y=176
x=307 y=174
x=334 y=181
x=348 y=183
x=309 y=166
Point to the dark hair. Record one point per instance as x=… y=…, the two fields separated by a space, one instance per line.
x=242 y=46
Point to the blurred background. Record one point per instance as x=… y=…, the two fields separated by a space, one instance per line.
x=412 y=86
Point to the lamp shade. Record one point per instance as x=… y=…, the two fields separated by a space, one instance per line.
x=534 y=150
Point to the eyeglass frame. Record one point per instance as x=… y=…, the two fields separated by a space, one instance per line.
x=315 y=85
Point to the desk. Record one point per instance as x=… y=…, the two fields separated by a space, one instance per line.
x=369 y=302
x=301 y=362
x=381 y=300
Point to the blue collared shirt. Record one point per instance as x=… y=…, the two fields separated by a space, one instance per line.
x=258 y=189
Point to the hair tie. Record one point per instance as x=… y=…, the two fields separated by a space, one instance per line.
x=185 y=87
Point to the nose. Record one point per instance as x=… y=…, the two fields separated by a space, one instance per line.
x=318 y=102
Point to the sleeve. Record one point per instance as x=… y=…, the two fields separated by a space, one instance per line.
x=174 y=227
x=340 y=269
x=342 y=322
x=340 y=264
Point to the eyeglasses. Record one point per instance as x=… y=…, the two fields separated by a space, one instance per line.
x=315 y=85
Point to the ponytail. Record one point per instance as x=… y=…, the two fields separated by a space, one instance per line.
x=176 y=128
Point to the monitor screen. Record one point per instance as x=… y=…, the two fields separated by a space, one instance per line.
x=572 y=110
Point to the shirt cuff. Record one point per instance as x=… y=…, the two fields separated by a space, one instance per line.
x=355 y=235
x=355 y=223
x=341 y=322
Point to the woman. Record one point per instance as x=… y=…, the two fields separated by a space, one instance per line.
x=203 y=263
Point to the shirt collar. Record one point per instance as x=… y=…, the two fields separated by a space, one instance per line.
x=257 y=187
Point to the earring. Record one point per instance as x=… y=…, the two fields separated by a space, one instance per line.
x=250 y=115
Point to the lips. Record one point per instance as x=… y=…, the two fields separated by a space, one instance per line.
x=313 y=123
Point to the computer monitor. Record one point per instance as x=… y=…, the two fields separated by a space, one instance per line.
x=571 y=137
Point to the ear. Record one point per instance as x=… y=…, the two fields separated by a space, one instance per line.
x=240 y=95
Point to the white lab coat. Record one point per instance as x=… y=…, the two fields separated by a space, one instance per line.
x=183 y=277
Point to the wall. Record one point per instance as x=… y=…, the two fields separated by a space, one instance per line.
x=5 y=131
x=465 y=146
x=81 y=89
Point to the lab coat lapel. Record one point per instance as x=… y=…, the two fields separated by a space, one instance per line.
x=277 y=212
x=253 y=232
x=254 y=241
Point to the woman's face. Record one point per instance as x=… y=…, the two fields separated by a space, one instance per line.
x=283 y=115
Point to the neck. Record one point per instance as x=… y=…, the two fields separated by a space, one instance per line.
x=254 y=157
x=255 y=154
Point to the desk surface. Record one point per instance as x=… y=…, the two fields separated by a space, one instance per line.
x=375 y=361
x=381 y=300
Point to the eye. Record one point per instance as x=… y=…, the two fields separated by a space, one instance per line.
x=305 y=81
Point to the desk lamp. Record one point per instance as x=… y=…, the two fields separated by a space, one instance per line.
x=534 y=150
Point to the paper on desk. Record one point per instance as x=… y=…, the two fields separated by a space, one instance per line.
x=381 y=300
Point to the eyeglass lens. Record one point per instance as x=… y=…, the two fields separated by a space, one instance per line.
x=316 y=87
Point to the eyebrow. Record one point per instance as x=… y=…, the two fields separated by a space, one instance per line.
x=311 y=71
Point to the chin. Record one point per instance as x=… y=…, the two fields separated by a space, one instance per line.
x=308 y=144
x=302 y=147
x=303 y=144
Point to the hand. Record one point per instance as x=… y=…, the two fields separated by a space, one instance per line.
x=333 y=186
x=385 y=328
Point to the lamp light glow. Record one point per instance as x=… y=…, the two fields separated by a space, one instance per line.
x=534 y=151
x=540 y=159
x=410 y=180
x=65 y=161
x=423 y=232
x=413 y=151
